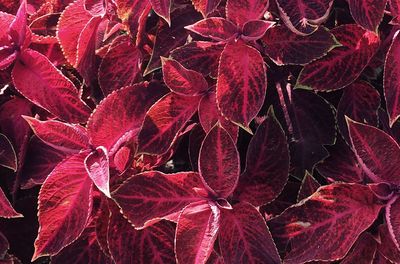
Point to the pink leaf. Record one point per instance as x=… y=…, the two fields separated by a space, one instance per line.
x=241 y=11
x=164 y=121
x=392 y=80
x=7 y=57
x=65 y=202
x=244 y=237
x=367 y=14
x=216 y=28
x=219 y=164
x=285 y=47
x=302 y=16
x=150 y=196
x=8 y=157
x=363 y=251
x=196 y=232
x=5 y=22
x=255 y=29
x=6 y=210
x=325 y=74
x=18 y=27
x=118 y=118
x=392 y=219
x=48 y=87
x=377 y=152
x=267 y=164
x=61 y=136
x=242 y=83
x=181 y=80
x=205 y=7
x=326 y=225
x=97 y=166
x=309 y=185
x=162 y=8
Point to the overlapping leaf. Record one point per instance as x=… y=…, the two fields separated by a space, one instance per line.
x=6 y=210
x=367 y=14
x=241 y=11
x=8 y=157
x=205 y=7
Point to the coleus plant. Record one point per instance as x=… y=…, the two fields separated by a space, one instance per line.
x=147 y=132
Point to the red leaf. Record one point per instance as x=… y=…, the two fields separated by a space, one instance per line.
x=395 y=11
x=392 y=80
x=377 y=152
x=18 y=27
x=387 y=247
x=8 y=157
x=216 y=28
x=65 y=202
x=150 y=196
x=126 y=9
x=303 y=17
x=62 y=136
x=244 y=237
x=196 y=232
x=219 y=164
x=6 y=209
x=327 y=73
x=205 y=7
x=242 y=83
x=7 y=57
x=367 y=14
x=48 y=87
x=120 y=67
x=181 y=80
x=97 y=166
x=326 y=225
x=392 y=220
x=154 y=244
x=255 y=29
x=309 y=185
x=118 y=118
x=200 y=56
x=162 y=8
x=163 y=122
x=285 y=47
x=241 y=11
x=363 y=251
x=5 y=22
x=267 y=164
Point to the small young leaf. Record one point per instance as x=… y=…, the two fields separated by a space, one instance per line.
x=97 y=166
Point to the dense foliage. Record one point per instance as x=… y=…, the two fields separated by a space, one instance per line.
x=199 y=131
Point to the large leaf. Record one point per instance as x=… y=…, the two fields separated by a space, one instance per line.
x=119 y=117
x=196 y=232
x=285 y=47
x=6 y=210
x=216 y=28
x=48 y=87
x=163 y=122
x=8 y=157
x=267 y=164
x=303 y=16
x=244 y=237
x=343 y=64
x=153 y=195
x=392 y=80
x=62 y=136
x=219 y=164
x=377 y=152
x=205 y=7
x=241 y=11
x=326 y=225
x=367 y=14
x=97 y=166
x=65 y=202
x=242 y=83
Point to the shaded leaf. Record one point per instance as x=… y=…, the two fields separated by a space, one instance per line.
x=8 y=157
x=6 y=210
x=162 y=8
x=392 y=220
x=387 y=247
x=367 y=14
x=364 y=250
x=255 y=29
x=308 y=186
x=241 y=11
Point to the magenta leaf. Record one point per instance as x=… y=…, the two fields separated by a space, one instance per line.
x=62 y=136
x=326 y=225
x=8 y=157
x=394 y=7
x=205 y=7
x=392 y=220
x=150 y=196
x=97 y=166
x=392 y=81
x=65 y=202
x=255 y=29
x=303 y=17
x=309 y=185
x=181 y=80
x=285 y=47
x=5 y=22
x=162 y=8
x=120 y=67
x=242 y=83
x=6 y=210
x=358 y=47
x=219 y=164
x=7 y=57
x=48 y=87
x=196 y=232
x=164 y=121
x=363 y=251
x=244 y=236
x=242 y=11
x=387 y=247
x=267 y=164
x=216 y=28
x=376 y=151
x=367 y=14
x=18 y=27
x=118 y=118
